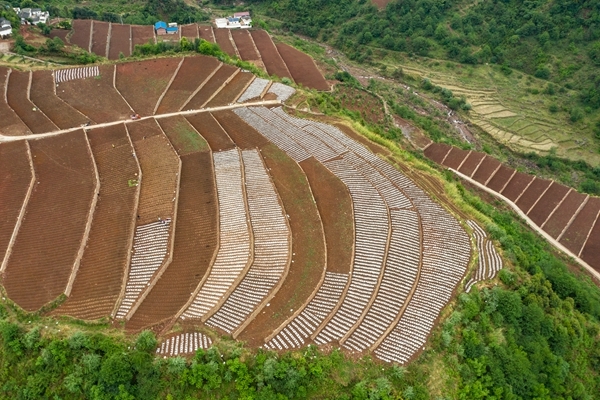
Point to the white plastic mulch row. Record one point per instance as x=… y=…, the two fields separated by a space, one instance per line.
x=71 y=74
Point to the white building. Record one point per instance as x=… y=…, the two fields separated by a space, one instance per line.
x=242 y=20
x=36 y=15
x=5 y=28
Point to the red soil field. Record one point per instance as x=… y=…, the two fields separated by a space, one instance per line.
x=455 y=158
x=269 y=54
x=120 y=41
x=533 y=192
x=575 y=235
x=98 y=282
x=16 y=95
x=100 y=38
x=224 y=41
x=500 y=178
x=486 y=169
x=141 y=34
x=59 y=33
x=517 y=184
x=211 y=87
x=14 y=183
x=42 y=95
x=206 y=33
x=96 y=97
x=195 y=243
x=307 y=233
x=51 y=232
x=245 y=45
x=471 y=163
x=591 y=251
x=142 y=83
x=564 y=213
x=211 y=131
x=540 y=212
x=192 y=73
x=81 y=33
x=184 y=138
x=160 y=166
x=437 y=151
x=245 y=136
x=189 y=31
x=232 y=90
x=302 y=67
x=11 y=123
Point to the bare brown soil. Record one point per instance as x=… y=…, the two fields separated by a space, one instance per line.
x=575 y=235
x=142 y=83
x=455 y=158
x=189 y=31
x=245 y=136
x=96 y=97
x=81 y=33
x=100 y=275
x=211 y=87
x=232 y=90
x=16 y=95
x=486 y=169
x=308 y=247
x=471 y=163
x=302 y=67
x=533 y=192
x=206 y=33
x=52 y=230
x=42 y=95
x=564 y=213
x=160 y=166
x=100 y=38
x=14 y=184
x=269 y=54
x=141 y=34
x=11 y=123
x=195 y=243
x=192 y=73
x=245 y=45
x=184 y=138
x=211 y=131
x=224 y=41
x=591 y=251
x=120 y=41
x=500 y=178
x=547 y=203
x=380 y=3
x=367 y=105
x=437 y=151
x=517 y=184
x=59 y=33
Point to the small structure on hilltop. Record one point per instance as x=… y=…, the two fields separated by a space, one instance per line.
x=239 y=20
x=5 y=28
x=32 y=15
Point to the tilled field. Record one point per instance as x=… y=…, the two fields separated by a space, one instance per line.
x=141 y=34
x=269 y=54
x=212 y=87
x=120 y=41
x=224 y=41
x=232 y=90
x=100 y=38
x=81 y=35
x=11 y=125
x=302 y=67
x=245 y=45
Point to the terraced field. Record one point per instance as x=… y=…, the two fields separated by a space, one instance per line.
x=237 y=219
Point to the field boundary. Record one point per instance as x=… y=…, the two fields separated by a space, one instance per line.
x=200 y=86
x=168 y=86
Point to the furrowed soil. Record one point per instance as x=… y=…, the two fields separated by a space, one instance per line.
x=160 y=166
x=516 y=185
x=81 y=33
x=206 y=33
x=308 y=246
x=564 y=213
x=42 y=95
x=211 y=131
x=547 y=203
x=533 y=192
x=141 y=34
x=14 y=183
x=486 y=169
x=195 y=242
x=52 y=229
x=500 y=178
x=245 y=136
x=16 y=95
x=98 y=282
x=575 y=235
x=189 y=31
x=59 y=33
x=269 y=54
x=455 y=158
x=224 y=41
x=96 y=97
x=437 y=151
x=142 y=83
x=120 y=41
x=211 y=87
x=100 y=38
x=184 y=138
x=232 y=90
x=591 y=251
x=192 y=73
x=302 y=67
x=245 y=45
x=471 y=163
x=11 y=123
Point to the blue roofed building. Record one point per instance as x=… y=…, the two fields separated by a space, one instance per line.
x=160 y=28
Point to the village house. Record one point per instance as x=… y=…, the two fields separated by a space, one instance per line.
x=35 y=15
x=162 y=28
x=238 y=20
x=5 y=28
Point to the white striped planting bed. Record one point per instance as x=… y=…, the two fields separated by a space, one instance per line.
x=71 y=74
x=184 y=344
x=489 y=262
